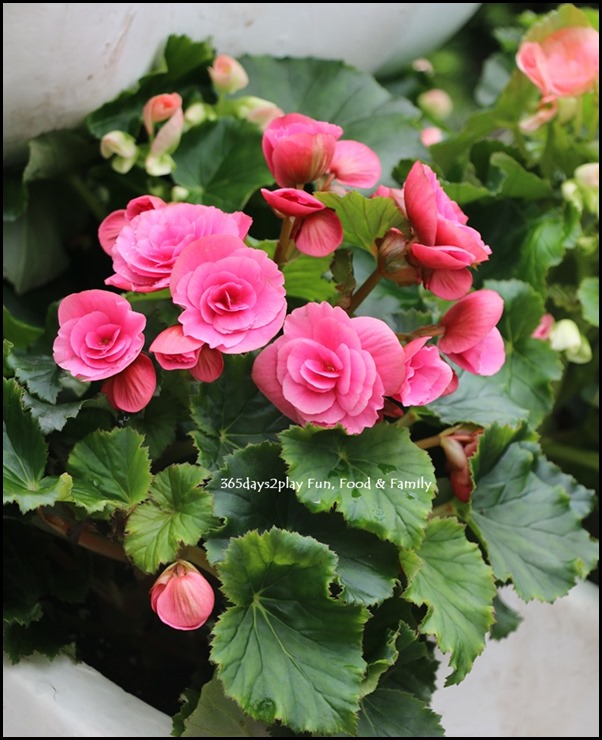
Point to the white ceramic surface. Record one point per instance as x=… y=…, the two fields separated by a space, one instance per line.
x=62 y=60
x=542 y=681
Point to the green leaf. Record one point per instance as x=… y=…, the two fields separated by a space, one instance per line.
x=380 y=653
x=522 y=389
x=509 y=179
x=448 y=575
x=284 y=618
x=528 y=527
x=589 y=296
x=252 y=491
x=18 y=332
x=543 y=247
x=582 y=499
x=177 y=513
x=492 y=445
x=378 y=480
x=26 y=569
x=506 y=619
x=392 y=713
x=24 y=459
x=39 y=372
x=14 y=195
x=345 y=96
x=218 y=716
x=110 y=470
x=51 y=417
x=221 y=163
x=304 y=277
x=39 y=637
x=415 y=669
x=363 y=219
x=231 y=413
x=58 y=153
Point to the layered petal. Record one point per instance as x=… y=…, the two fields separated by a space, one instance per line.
x=486 y=357
x=427 y=376
x=470 y=320
x=181 y=597
x=132 y=388
x=356 y=165
x=319 y=234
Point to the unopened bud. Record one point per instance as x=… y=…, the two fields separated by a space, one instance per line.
x=227 y=75
x=259 y=111
x=436 y=103
x=431 y=135
x=392 y=259
x=422 y=65
x=122 y=147
x=198 y=113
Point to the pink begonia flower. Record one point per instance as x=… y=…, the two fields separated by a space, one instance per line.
x=471 y=339
x=317 y=230
x=458 y=448
x=427 y=376
x=299 y=149
x=132 y=388
x=445 y=246
x=111 y=226
x=544 y=328
x=431 y=135
x=233 y=296
x=147 y=246
x=354 y=164
x=181 y=597
x=330 y=369
x=227 y=75
x=175 y=351
x=159 y=108
x=383 y=191
x=99 y=334
x=565 y=63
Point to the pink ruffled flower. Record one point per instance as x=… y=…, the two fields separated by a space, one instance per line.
x=159 y=108
x=566 y=63
x=445 y=246
x=471 y=338
x=175 y=351
x=132 y=388
x=227 y=75
x=330 y=369
x=427 y=376
x=233 y=296
x=149 y=243
x=317 y=230
x=99 y=334
x=544 y=328
x=181 y=597
x=111 y=226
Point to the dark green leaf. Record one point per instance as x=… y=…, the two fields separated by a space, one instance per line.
x=41 y=637
x=221 y=163
x=530 y=531
x=284 y=618
x=232 y=413
x=110 y=470
x=589 y=297
x=415 y=669
x=51 y=417
x=379 y=480
x=18 y=332
x=448 y=575
x=14 y=196
x=393 y=713
x=38 y=372
x=177 y=513
x=509 y=179
x=506 y=619
x=58 y=153
x=364 y=219
x=543 y=247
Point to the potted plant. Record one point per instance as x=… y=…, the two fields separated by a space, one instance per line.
x=277 y=436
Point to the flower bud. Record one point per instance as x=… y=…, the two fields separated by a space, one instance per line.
x=587 y=177
x=423 y=65
x=431 y=135
x=459 y=447
x=258 y=111
x=159 y=108
x=122 y=147
x=565 y=335
x=198 y=113
x=544 y=328
x=181 y=597
x=392 y=259
x=436 y=103
x=227 y=75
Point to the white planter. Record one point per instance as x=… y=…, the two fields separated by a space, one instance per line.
x=63 y=60
x=542 y=681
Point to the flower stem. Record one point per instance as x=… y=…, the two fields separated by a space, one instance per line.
x=285 y=245
x=429 y=442
x=364 y=290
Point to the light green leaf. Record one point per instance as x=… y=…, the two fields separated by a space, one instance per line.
x=252 y=492
x=509 y=179
x=393 y=713
x=284 y=618
x=18 y=332
x=448 y=575
x=582 y=499
x=304 y=277
x=24 y=459
x=589 y=296
x=544 y=247
x=177 y=513
x=38 y=372
x=231 y=413
x=379 y=480
x=345 y=96
x=506 y=619
x=217 y=716
x=51 y=417
x=110 y=470
x=492 y=445
x=528 y=527
x=363 y=219
x=221 y=163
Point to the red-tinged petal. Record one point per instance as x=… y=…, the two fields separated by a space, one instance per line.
x=302 y=158
x=470 y=320
x=110 y=228
x=441 y=258
x=448 y=284
x=355 y=164
x=132 y=389
x=319 y=234
x=421 y=203
x=484 y=358
x=292 y=202
x=532 y=62
x=453 y=385
x=143 y=203
x=168 y=136
x=388 y=354
x=209 y=366
x=172 y=341
x=462 y=236
x=182 y=597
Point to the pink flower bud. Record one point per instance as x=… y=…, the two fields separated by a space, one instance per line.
x=544 y=328
x=132 y=388
x=392 y=259
x=431 y=135
x=458 y=448
x=182 y=597
x=436 y=103
x=159 y=108
x=227 y=75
